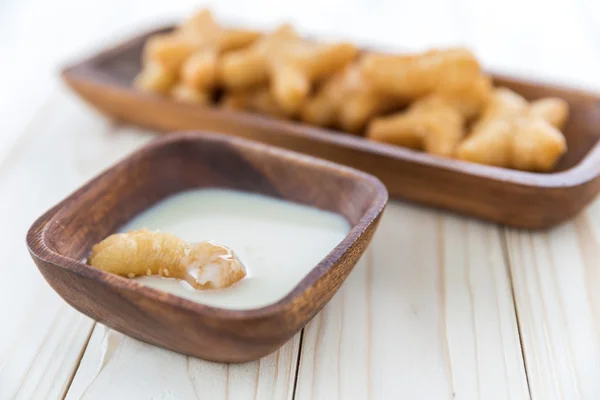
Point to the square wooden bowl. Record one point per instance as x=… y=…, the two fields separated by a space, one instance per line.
x=60 y=240
x=517 y=198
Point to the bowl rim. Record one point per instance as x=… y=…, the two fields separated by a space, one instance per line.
x=37 y=236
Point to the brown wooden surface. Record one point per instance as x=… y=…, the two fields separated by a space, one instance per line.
x=516 y=198
x=60 y=239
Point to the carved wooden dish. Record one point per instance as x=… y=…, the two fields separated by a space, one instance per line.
x=521 y=199
x=60 y=239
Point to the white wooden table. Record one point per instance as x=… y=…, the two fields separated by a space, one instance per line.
x=440 y=306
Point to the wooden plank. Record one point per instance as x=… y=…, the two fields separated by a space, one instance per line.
x=45 y=152
x=143 y=371
x=556 y=278
x=41 y=348
x=556 y=274
x=64 y=145
x=427 y=313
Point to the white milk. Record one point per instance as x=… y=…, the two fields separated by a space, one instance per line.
x=278 y=241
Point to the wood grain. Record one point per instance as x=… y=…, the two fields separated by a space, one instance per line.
x=147 y=372
x=516 y=198
x=41 y=345
x=557 y=280
x=426 y=314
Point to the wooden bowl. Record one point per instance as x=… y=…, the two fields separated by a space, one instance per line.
x=60 y=239
x=517 y=198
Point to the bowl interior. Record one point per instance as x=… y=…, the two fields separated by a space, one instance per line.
x=180 y=162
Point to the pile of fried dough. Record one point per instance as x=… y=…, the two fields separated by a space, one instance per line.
x=440 y=101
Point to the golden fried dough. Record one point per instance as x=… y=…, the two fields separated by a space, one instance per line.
x=289 y=64
x=469 y=98
x=514 y=134
x=536 y=145
x=430 y=124
x=187 y=94
x=323 y=107
x=347 y=101
x=503 y=102
x=192 y=51
x=440 y=101
x=199 y=71
x=204 y=265
x=168 y=50
x=300 y=65
x=155 y=78
x=258 y=100
x=413 y=76
x=204 y=32
x=247 y=68
x=552 y=109
x=435 y=123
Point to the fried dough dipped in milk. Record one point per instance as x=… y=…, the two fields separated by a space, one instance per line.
x=203 y=265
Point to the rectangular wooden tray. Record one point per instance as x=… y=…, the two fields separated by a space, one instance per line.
x=516 y=198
